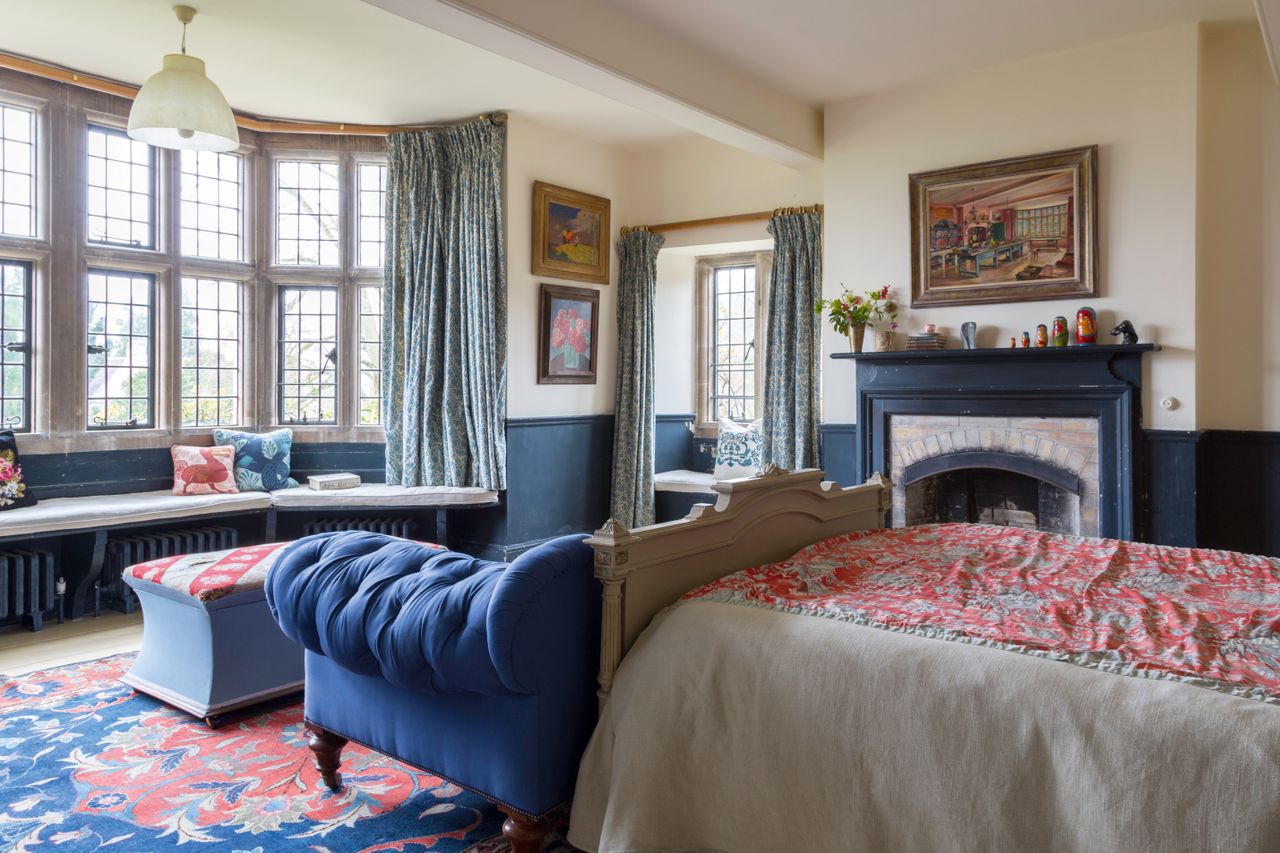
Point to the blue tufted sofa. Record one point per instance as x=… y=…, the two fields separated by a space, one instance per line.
x=480 y=672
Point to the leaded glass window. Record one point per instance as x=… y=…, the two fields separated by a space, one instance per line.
x=209 y=331
x=370 y=395
x=121 y=189
x=121 y=345
x=307 y=213
x=17 y=171
x=371 y=187
x=15 y=345
x=211 y=208
x=308 y=354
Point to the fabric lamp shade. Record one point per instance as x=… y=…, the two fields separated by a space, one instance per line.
x=179 y=107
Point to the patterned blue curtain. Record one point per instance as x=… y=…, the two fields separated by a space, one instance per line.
x=633 y=412
x=444 y=324
x=791 y=414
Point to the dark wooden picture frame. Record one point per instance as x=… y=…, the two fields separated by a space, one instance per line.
x=560 y=346
x=570 y=234
x=1014 y=230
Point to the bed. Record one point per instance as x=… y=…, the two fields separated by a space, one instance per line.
x=1021 y=701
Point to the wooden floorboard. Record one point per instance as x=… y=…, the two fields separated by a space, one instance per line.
x=23 y=651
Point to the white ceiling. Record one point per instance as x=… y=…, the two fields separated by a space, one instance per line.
x=315 y=60
x=827 y=50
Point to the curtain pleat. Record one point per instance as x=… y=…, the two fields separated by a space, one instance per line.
x=791 y=402
x=444 y=325
x=634 y=417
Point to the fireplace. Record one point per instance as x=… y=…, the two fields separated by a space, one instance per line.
x=1037 y=473
x=1039 y=438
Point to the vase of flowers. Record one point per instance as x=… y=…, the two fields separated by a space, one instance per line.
x=850 y=314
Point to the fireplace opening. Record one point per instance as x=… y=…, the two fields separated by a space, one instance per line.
x=993 y=488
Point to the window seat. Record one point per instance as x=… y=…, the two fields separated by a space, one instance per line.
x=99 y=515
x=57 y=515
x=380 y=495
x=690 y=482
x=87 y=513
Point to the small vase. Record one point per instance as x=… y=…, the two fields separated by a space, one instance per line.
x=884 y=341
x=570 y=357
x=856 y=333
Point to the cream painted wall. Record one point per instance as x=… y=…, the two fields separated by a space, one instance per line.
x=675 y=338
x=1238 y=245
x=1135 y=98
x=694 y=177
x=538 y=153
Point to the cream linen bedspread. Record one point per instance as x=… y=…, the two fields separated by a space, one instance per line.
x=741 y=729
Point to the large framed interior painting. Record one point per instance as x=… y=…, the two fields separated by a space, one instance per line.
x=1006 y=231
x=568 y=335
x=570 y=234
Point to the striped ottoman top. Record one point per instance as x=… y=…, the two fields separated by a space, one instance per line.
x=210 y=576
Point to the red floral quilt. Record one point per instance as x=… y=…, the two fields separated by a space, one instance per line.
x=1204 y=617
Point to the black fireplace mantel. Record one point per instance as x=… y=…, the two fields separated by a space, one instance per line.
x=1100 y=381
x=1002 y=355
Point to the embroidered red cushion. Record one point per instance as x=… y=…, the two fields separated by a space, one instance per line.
x=203 y=470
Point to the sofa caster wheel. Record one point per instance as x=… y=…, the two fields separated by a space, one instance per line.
x=327 y=749
x=525 y=834
x=213 y=720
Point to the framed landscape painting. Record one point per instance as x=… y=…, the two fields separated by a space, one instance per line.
x=570 y=234
x=568 y=335
x=1010 y=230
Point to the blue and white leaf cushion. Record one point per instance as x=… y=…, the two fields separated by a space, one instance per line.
x=738 y=451
x=262 y=459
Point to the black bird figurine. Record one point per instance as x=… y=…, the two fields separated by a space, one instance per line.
x=1128 y=334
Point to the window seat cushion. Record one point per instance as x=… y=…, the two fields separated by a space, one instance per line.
x=692 y=482
x=375 y=495
x=82 y=513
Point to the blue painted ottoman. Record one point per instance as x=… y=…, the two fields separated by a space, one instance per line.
x=209 y=644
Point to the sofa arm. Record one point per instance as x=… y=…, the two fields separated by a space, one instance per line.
x=544 y=616
x=438 y=621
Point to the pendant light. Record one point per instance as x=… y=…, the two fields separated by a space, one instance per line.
x=179 y=107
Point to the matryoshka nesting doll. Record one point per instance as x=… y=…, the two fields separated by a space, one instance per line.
x=1086 y=326
x=1026 y=339
x=1059 y=338
x=1042 y=335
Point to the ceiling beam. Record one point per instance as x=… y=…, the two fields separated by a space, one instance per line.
x=1269 y=22
x=603 y=49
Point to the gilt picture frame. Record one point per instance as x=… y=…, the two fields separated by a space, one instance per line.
x=568 y=335
x=570 y=234
x=1015 y=230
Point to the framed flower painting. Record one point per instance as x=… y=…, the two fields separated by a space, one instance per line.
x=570 y=234
x=568 y=335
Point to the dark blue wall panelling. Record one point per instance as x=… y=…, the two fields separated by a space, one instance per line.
x=1216 y=489
x=114 y=472
x=836 y=451
x=673 y=443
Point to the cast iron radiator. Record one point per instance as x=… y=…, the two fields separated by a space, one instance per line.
x=402 y=527
x=124 y=551
x=28 y=588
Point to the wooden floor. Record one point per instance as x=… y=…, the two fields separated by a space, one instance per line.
x=23 y=651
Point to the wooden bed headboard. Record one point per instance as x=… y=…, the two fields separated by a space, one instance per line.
x=755 y=521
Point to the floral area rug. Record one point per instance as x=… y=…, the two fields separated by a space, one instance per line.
x=87 y=764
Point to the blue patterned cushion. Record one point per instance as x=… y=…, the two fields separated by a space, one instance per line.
x=262 y=459
x=738 y=450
